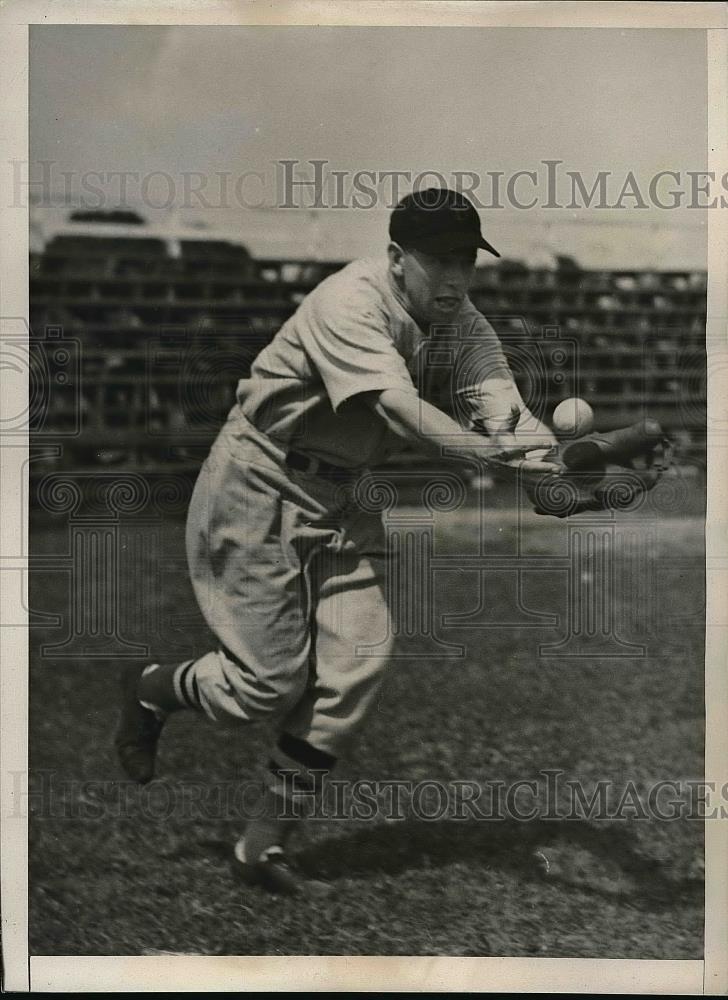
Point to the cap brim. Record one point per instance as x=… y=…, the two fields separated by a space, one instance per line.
x=484 y=245
x=456 y=241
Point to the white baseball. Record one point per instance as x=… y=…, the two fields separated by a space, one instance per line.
x=573 y=416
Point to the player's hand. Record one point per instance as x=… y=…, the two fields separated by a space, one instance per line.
x=530 y=473
x=511 y=458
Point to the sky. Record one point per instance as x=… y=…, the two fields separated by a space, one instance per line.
x=239 y=100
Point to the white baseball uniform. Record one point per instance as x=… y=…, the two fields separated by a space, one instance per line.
x=288 y=568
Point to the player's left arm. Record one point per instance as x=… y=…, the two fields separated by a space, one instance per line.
x=493 y=399
x=485 y=394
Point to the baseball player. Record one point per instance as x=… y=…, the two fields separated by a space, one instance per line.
x=287 y=565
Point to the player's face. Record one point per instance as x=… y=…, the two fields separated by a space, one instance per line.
x=435 y=285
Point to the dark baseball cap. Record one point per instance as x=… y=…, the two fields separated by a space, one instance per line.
x=437 y=220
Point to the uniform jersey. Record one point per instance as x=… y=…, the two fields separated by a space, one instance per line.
x=352 y=335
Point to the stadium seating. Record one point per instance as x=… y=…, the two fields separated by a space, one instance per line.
x=163 y=329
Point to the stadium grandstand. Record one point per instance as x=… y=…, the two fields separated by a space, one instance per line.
x=140 y=330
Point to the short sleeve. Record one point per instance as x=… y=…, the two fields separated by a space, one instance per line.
x=346 y=335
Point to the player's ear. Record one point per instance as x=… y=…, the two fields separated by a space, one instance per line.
x=396 y=259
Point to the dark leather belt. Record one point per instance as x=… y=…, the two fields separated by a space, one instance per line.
x=315 y=466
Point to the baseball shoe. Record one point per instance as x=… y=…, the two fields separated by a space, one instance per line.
x=138 y=731
x=275 y=873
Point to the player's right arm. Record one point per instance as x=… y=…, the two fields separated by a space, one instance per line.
x=431 y=430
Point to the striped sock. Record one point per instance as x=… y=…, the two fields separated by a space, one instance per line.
x=165 y=688
x=293 y=781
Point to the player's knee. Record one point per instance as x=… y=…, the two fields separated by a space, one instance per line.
x=275 y=696
x=265 y=691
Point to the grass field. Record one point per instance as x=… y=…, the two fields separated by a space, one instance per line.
x=113 y=880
